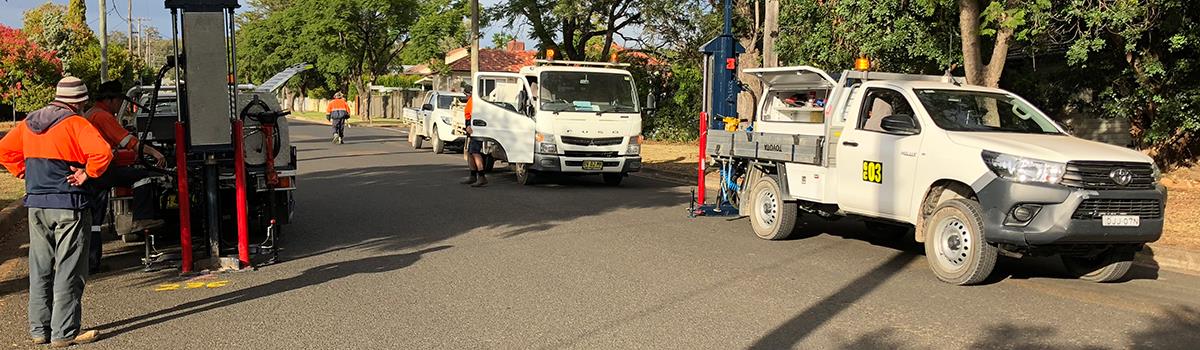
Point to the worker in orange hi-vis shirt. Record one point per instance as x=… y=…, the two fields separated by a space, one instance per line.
x=337 y=112
x=474 y=151
x=109 y=98
x=57 y=151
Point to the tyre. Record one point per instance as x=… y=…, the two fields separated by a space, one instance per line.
x=489 y=163
x=439 y=146
x=613 y=179
x=1110 y=266
x=771 y=217
x=414 y=139
x=954 y=244
x=524 y=175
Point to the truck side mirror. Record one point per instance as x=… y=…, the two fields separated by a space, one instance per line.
x=651 y=103
x=427 y=107
x=900 y=124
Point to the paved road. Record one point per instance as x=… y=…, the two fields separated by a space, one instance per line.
x=389 y=252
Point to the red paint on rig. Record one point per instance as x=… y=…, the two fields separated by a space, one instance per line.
x=184 y=198
x=239 y=166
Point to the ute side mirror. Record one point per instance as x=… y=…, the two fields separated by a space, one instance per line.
x=651 y=103
x=900 y=124
x=427 y=107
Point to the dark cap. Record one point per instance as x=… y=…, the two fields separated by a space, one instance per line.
x=109 y=89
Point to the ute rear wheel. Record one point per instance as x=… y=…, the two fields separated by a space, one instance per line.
x=1110 y=266
x=954 y=244
x=413 y=138
x=771 y=217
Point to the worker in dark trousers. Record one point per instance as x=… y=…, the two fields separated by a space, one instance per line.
x=474 y=152
x=57 y=151
x=108 y=99
x=338 y=111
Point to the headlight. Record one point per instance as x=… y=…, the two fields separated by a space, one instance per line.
x=635 y=145
x=1158 y=175
x=1022 y=169
x=446 y=120
x=545 y=144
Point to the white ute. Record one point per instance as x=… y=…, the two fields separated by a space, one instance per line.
x=437 y=121
x=561 y=116
x=979 y=172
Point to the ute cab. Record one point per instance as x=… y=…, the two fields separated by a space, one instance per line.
x=561 y=117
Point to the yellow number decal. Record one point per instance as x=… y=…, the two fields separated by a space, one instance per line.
x=872 y=172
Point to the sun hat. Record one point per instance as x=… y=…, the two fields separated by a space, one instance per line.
x=71 y=90
x=338 y=95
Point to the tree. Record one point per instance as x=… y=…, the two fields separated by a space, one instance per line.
x=1006 y=21
x=63 y=30
x=500 y=40
x=27 y=71
x=569 y=25
x=439 y=29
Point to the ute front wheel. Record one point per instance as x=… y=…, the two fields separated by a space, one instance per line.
x=954 y=244
x=1110 y=266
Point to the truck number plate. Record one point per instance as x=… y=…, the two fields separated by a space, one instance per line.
x=593 y=165
x=1121 y=220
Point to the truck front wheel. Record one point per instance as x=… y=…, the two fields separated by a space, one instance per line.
x=954 y=244
x=1109 y=266
x=771 y=217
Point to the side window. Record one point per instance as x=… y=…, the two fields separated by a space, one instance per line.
x=880 y=103
x=501 y=91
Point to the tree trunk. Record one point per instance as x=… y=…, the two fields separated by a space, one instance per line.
x=747 y=102
x=968 y=25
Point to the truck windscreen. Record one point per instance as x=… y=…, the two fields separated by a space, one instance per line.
x=587 y=92
x=954 y=110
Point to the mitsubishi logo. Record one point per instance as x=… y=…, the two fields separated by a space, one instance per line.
x=1121 y=176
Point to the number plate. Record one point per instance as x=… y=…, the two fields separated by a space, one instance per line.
x=593 y=165
x=1121 y=220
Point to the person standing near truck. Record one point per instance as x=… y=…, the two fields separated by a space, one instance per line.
x=108 y=99
x=57 y=151
x=338 y=112
x=474 y=151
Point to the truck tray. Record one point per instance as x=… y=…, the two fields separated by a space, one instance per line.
x=805 y=149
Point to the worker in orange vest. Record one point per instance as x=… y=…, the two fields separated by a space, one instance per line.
x=474 y=151
x=337 y=112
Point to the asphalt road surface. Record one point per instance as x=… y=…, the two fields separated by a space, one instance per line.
x=389 y=252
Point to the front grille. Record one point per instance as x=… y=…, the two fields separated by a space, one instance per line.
x=1097 y=175
x=1094 y=209
x=584 y=141
x=590 y=154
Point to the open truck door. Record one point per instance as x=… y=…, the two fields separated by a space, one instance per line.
x=501 y=113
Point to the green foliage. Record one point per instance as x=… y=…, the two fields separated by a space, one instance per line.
x=398 y=80
x=919 y=36
x=500 y=40
x=439 y=28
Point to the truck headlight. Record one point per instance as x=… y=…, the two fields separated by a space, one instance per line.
x=545 y=143
x=635 y=145
x=1158 y=175
x=1021 y=169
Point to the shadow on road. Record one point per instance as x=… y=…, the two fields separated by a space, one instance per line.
x=314 y=276
x=800 y=326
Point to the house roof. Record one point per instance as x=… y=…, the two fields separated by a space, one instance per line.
x=495 y=60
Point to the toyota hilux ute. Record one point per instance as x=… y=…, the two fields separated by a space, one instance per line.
x=561 y=117
x=979 y=172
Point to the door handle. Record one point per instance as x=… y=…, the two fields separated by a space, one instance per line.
x=850 y=143
x=478 y=122
x=908 y=154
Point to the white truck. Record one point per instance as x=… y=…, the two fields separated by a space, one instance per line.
x=560 y=116
x=437 y=121
x=979 y=172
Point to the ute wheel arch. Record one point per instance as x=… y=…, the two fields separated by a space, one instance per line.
x=939 y=192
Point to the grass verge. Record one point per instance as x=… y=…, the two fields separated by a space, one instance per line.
x=354 y=121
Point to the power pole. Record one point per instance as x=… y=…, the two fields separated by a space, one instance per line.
x=129 y=19
x=103 y=41
x=474 y=40
x=141 y=46
x=770 y=32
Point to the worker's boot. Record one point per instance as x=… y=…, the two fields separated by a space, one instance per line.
x=82 y=338
x=482 y=181
x=470 y=180
x=336 y=137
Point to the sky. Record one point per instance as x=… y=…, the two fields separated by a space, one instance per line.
x=12 y=12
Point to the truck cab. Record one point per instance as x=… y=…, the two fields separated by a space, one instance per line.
x=563 y=117
x=977 y=172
